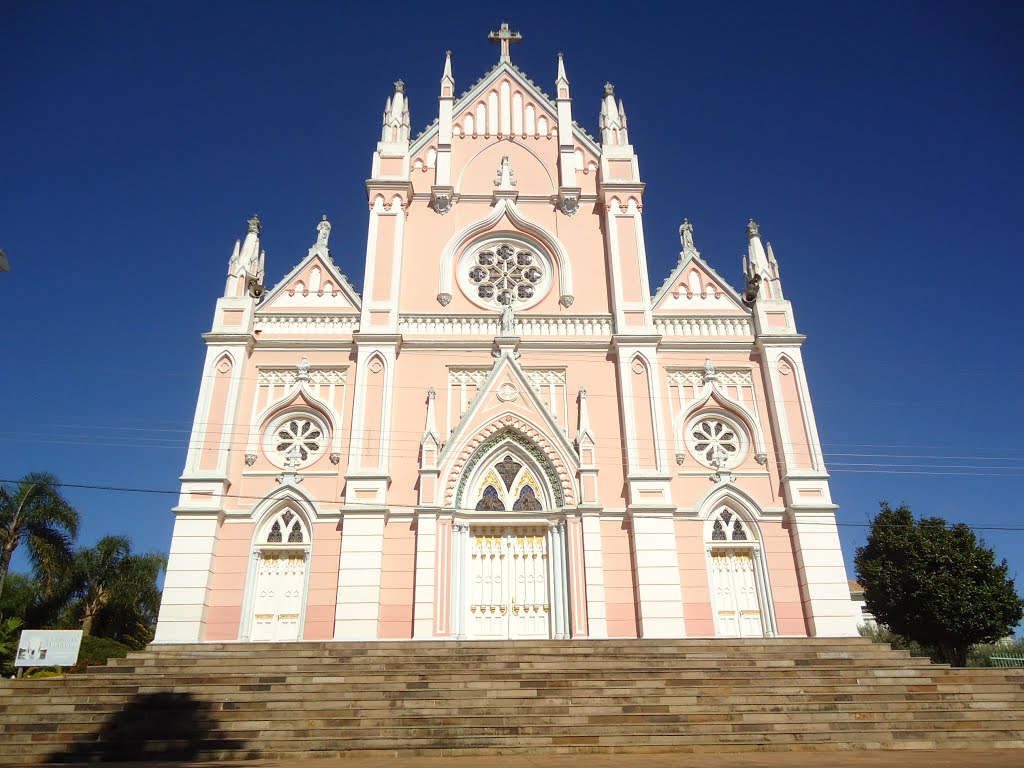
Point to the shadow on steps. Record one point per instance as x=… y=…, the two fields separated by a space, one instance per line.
x=152 y=727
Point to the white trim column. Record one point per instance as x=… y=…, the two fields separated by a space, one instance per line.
x=593 y=566
x=460 y=539
x=362 y=554
x=186 y=593
x=659 y=591
x=426 y=560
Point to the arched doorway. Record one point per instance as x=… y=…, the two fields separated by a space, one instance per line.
x=510 y=552
x=736 y=576
x=281 y=574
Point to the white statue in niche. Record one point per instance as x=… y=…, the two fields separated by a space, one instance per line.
x=720 y=457
x=508 y=320
x=292 y=459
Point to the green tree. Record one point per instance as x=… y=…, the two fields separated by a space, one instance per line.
x=34 y=513
x=935 y=583
x=114 y=592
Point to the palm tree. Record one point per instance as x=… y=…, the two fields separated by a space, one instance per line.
x=34 y=513
x=115 y=587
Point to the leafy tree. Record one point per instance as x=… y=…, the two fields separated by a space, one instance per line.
x=10 y=631
x=935 y=583
x=114 y=592
x=34 y=513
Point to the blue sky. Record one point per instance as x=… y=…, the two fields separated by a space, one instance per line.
x=878 y=145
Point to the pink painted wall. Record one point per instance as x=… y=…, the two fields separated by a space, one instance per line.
x=216 y=419
x=793 y=404
x=397 y=580
x=619 y=585
x=227 y=581
x=322 y=595
x=778 y=549
x=693 y=577
x=374 y=413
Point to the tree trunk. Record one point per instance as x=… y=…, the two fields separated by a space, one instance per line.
x=87 y=622
x=5 y=563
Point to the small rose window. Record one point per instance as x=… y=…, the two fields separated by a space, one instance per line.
x=503 y=272
x=296 y=440
x=716 y=441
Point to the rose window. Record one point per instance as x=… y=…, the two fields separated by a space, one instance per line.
x=716 y=441
x=296 y=440
x=505 y=273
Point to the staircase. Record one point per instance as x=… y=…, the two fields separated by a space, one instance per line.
x=277 y=700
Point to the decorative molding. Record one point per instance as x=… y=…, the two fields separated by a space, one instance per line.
x=694 y=377
x=468 y=375
x=288 y=376
x=704 y=326
x=545 y=462
x=488 y=325
x=542 y=376
x=307 y=325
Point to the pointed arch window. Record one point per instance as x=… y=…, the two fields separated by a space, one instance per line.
x=284 y=527
x=509 y=485
x=727 y=526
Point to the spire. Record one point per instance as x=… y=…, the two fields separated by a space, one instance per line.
x=447 y=81
x=584 y=429
x=613 y=118
x=757 y=259
x=249 y=256
x=430 y=444
x=504 y=37
x=760 y=268
x=396 y=117
x=430 y=428
x=246 y=262
x=561 y=82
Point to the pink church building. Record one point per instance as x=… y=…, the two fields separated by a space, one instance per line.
x=507 y=434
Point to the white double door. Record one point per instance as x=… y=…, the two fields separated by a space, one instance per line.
x=278 y=597
x=508 y=583
x=736 y=594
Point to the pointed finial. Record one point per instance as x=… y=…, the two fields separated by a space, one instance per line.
x=399 y=86
x=753 y=230
x=609 y=89
x=431 y=393
x=323 y=231
x=254 y=224
x=506 y=176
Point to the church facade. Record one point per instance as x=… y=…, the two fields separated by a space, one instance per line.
x=507 y=434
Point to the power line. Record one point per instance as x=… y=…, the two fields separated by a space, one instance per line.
x=164 y=492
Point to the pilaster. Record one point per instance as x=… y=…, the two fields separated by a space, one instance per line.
x=656 y=573
x=186 y=594
x=359 y=576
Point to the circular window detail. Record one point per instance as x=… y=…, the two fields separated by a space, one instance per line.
x=296 y=439
x=716 y=441
x=505 y=271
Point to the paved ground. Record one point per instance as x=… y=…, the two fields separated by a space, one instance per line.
x=995 y=758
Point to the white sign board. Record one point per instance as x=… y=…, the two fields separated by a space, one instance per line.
x=48 y=648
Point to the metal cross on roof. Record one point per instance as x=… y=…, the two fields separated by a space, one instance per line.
x=505 y=38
